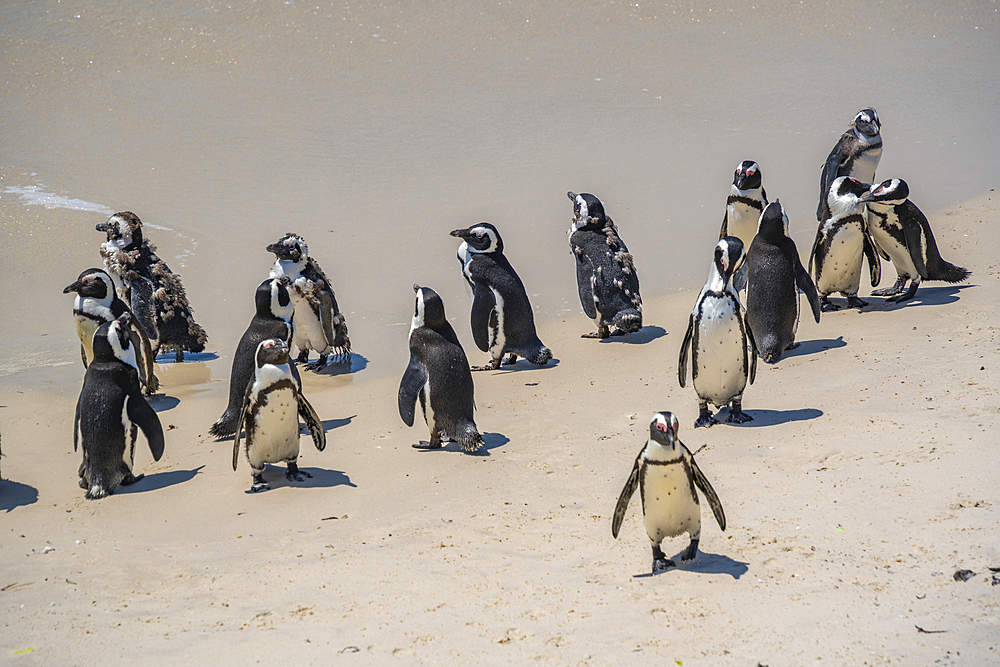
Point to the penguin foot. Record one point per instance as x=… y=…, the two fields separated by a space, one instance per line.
x=618 y=332
x=661 y=564
x=827 y=306
x=318 y=364
x=905 y=296
x=890 y=291
x=303 y=357
x=596 y=334
x=423 y=444
x=512 y=359
x=293 y=474
x=179 y=356
x=705 y=420
x=259 y=484
x=855 y=302
x=130 y=479
x=737 y=416
x=691 y=551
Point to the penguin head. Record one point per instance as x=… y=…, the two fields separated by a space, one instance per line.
x=893 y=192
x=272 y=299
x=729 y=257
x=866 y=122
x=93 y=283
x=481 y=237
x=290 y=247
x=846 y=194
x=111 y=341
x=272 y=351
x=428 y=309
x=747 y=176
x=587 y=210
x=773 y=223
x=663 y=429
x=124 y=229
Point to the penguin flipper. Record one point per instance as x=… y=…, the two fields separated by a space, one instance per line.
x=239 y=424
x=874 y=264
x=76 y=424
x=313 y=422
x=805 y=283
x=144 y=356
x=752 y=375
x=142 y=415
x=584 y=276
x=682 y=361
x=483 y=305
x=829 y=173
x=912 y=234
x=143 y=306
x=414 y=379
x=724 y=232
x=630 y=486
x=812 y=251
x=706 y=488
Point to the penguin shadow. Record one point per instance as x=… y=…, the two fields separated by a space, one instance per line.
x=329 y=424
x=162 y=402
x=159 y=480
x=763 y=418
x=320 y=478
x=641 y=337
x=14 y=494
x=342 y=366
x=525 y=365
x=813 y=346
x=925 y=296
x=167 y=358
x=490 y=441
x=704 y=563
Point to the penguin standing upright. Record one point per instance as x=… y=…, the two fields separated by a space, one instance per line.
x=903 y=236
x=774 y=272
x=438 y=374
x=744 y=205
x=97 y=303
x=667 y=476
x=145 y=282
x=272 y=319
x=502 y=319
x=718 y=338
x=842 y=242
x=270 y=416
x=319 y=324
x=857 y=155
x=110 y=409
x=605 y=272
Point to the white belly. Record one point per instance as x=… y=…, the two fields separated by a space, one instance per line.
x=499 y=340
x=308 y=333
x=842 y=265
x=741 y=221
x=276 y=430
x=85 y=328
x=668 y=508
x=898 y=255
x=865 y=165
x=720 y=352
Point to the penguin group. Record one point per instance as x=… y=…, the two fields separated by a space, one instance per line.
x=135 y=307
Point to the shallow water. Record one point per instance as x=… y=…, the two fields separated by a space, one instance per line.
x=375 y=130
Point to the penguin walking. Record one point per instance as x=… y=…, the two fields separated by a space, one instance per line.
x=903 y=236
x=110 y=410
x=272 y=319
x=145 y=282
x=605 y=272
x=667 y=476
x=270 y=416
x=842 y=241
x=319 y=324
x=744 y=205
x=775 y=275
x=438 y=374
x=97 y=303
x=856 y=154
x=718 y=338
x=502 y=320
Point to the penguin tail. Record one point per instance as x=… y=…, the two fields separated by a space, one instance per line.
x=468 y=437
x=628 y=321
x=541 y=356
x=949 y=273
x=99 y=486
x=225 y=426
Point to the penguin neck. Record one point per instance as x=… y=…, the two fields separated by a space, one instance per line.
x=287 y=267
x=867 y=140
x=749 y=193
x=716 y=281
x=657 y=453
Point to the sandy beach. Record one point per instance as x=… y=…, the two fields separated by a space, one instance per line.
x=867 y=479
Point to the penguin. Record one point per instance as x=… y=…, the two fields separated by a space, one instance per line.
x=439 y=375
x=270 y=415
x=109 y=411
x=145 y=282
x=273 y=319
x=842 y=241
x=96 y=303
x=744 y=205
x=903 y=236
x=857 y=155
x=774 y=272
x=666 y=473
x=502 y=320
x=319 y=324
x=605 y=272
x=719 y=338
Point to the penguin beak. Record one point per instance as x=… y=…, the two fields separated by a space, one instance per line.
x=572 y=196
x=460 y=233
x=416 y=287
x=867 y=196
x=75 y=287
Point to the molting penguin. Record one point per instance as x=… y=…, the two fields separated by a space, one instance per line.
x=718 y=338
x=272 y=319
x=903 y=236
x=502 y=320
x=439 y=375
x=775 y=271
x=319 y=324
x=270 y=415
x=97 y=303
x=145 y=282
x=110 y=409
x=744 y=205
x=666 y=473
x=842 y=241
x=857 y=155
x=605 y=273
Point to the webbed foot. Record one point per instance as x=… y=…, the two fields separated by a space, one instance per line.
x=492 y=366
x=827 y=306
x=293 y=474
x=303 y=357
x=705 y=418
x=855 y=302
x=905 y=296
x=423 y=444
x=737 y=416
x=890 y=291
x=318 y=364
x=662 y=564
x=594 y=334
x=259 y=484
x=512 y=359
x=179 y=356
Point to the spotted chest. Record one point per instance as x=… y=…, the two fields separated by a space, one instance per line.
x=669 y=501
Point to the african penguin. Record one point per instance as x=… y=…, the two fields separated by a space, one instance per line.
x=272 y=319
x=145 y=282
x=270 y=416
x=718 y=339
x=842 y=242
x=857 y=155
x=667 y=476
x=744 y=205
x=605 y=273
x=97 y=303
x=502 y=320
x=775 y=275
x=319 y=324
x=903 y=236
x=438 y=374
x=109 y=411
